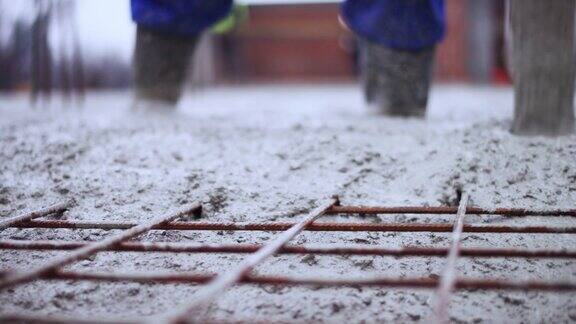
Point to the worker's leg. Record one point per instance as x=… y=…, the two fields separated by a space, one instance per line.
x=166 y=37
x=398 y=40
x=160 y=65
x=396 y=81
x=543 y=66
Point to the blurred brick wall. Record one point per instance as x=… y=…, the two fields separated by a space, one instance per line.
x=307 y=43
x=294 y=42
x=452 y=55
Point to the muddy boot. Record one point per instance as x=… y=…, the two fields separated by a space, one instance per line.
x=543 y=66
x=161 y=63
x=396 y=82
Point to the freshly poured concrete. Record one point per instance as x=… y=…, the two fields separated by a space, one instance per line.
x=271 y=154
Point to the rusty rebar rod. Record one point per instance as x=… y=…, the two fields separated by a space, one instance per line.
x=446 y=210
x=225 y=280
x=56 y=208
x=407 y=251
x=25 y=318
x=317 y=227
x=448 y=278
x=429 y=283
x=90 y=249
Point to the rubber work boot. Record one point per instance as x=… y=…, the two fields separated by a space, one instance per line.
x=397 y=82
x=161 y=62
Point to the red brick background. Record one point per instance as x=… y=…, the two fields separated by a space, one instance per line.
x=307 y=43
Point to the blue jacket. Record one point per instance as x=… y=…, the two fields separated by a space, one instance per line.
x=181 y=17
x=400 y=24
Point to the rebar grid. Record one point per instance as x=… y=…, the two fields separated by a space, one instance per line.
x=216 y=284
